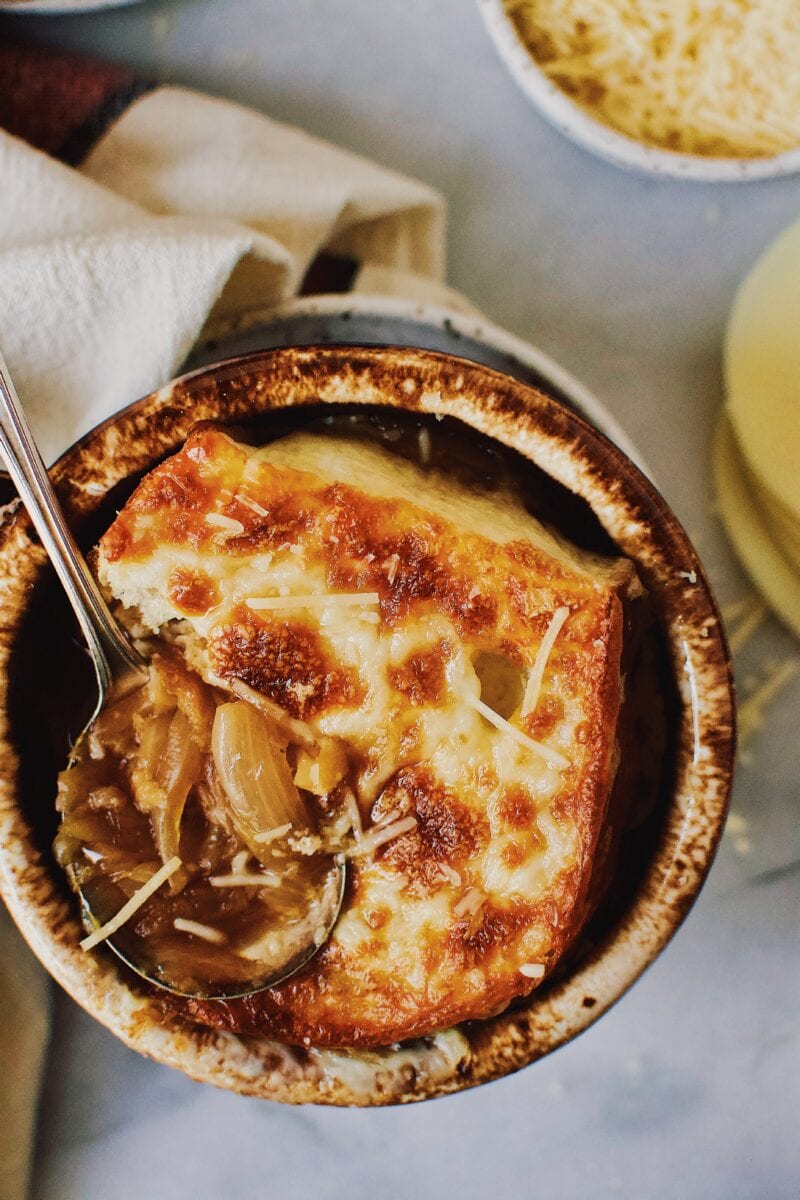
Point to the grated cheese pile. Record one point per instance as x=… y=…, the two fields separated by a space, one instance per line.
x=710 y=77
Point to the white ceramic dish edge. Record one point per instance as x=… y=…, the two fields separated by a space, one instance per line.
x=577 y=125
x=60 y=7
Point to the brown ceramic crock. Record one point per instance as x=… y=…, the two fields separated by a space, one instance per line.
x=43 y=675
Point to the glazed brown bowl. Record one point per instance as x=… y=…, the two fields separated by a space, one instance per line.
x=45 y=683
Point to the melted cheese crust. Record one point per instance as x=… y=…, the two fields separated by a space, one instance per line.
x=438 y=922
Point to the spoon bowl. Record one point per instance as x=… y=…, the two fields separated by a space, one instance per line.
x=279 y=958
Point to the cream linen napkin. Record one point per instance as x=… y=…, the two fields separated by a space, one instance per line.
x=188 y=213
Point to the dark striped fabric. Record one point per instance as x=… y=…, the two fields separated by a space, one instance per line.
x=62 y=103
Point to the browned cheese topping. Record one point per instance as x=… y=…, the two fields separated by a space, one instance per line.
x=449 y=675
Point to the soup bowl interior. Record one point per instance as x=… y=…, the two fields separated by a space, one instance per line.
x=570 y=475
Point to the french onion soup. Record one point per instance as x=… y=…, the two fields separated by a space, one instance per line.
x=355 y=658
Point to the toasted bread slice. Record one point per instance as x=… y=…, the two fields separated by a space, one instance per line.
x=468 y=661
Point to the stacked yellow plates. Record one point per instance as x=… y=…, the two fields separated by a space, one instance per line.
x=757 y=451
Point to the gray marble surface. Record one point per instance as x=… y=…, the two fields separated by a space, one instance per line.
x=690 y=1087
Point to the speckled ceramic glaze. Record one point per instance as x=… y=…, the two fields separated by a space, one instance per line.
x=23 y=7
x=577 y=124
x=697 y=772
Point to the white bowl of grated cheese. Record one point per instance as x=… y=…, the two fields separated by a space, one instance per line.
x=724 y=70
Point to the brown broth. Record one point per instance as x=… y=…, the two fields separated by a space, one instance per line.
x=107 y=844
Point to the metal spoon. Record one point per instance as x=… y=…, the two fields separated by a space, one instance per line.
x=119 y=669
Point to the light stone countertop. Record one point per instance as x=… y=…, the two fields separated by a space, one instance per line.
x=690 y=1087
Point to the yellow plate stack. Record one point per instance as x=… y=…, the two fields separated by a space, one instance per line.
x=757 y=450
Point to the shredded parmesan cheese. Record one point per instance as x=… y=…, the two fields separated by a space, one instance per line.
x=229 y=524
x=318 y=600
x=534 y=684
x=380 y=835
x=715 y=79
x=736 y=823
x=206 y=932
x=272 y=835
x=532 y=970
x=739 y=609
x=747 y=626
x=550 y=755
x=470 y=903
x=245 y=879
x=354 y=813
x=239 y=862
x=133 y=905
x=251 y=504
x=391 y=565
x=751 y=713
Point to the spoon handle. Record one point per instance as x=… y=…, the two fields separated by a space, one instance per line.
x=113 y=656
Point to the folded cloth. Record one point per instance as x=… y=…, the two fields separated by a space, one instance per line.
x=186 y=213
x=177 y=218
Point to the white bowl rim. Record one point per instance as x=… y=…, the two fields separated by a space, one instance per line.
x=604 y=141
x=60 y=7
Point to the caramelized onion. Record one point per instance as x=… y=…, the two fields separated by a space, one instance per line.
x=254 y=774
x=172 y=734
x=283 y=727
x=178 y=771
x=165 y=775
